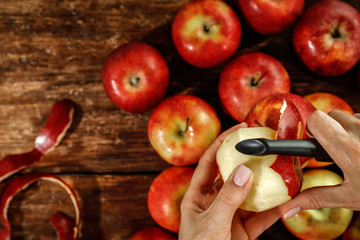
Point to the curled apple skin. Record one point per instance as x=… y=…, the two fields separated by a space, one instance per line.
x=63 y=226
x=65 y=230
x=57 y=124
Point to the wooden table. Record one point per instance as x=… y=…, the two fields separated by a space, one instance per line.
x=52 y=49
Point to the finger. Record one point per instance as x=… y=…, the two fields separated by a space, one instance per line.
x=357 y=115
x=237 y=227
x=259 y=222
x=315 y=198
x=308 y=132
x=215 y=187
x=349 y=122
x=231 y=195
x=210 y=194
x=326 y=130
x=207 y=169
x=321 y=125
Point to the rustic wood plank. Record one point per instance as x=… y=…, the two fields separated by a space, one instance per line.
x=54 y=49
x=108 y=210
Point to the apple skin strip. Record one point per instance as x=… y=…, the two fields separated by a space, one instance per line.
x=56 y=126
x=289 y=127
x=14 y=163
x=62 y=224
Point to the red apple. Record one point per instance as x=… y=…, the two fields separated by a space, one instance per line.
x=181 y=128
x=327 y=102
x=304 y=107
x=152 y=233
x=327 y=37
x=265 y=113
x=277 y=178
x=358 y=76
x=206 y=32
x=165 y=196
x=281 y=14
x=135 y=77
x=353 y=231
x=247 y=79
x=324 y=223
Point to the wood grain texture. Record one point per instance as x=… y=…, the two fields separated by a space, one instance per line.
x=109 y=211
x=54 y=49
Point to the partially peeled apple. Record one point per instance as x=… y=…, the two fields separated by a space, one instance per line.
x=277 y=179
x=266 y=113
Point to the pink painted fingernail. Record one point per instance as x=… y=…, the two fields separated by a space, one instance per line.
x=292 y=212
x=242 y=176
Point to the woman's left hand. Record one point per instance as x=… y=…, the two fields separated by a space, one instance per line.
x=210 y=209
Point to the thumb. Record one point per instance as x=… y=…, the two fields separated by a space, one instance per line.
x=314 y=198
x=232 y=194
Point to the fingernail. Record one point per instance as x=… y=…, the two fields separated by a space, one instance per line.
x=292 y=212
x=242 y=176
x=244 y=124
x=308 y=133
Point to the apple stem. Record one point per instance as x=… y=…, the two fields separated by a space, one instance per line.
x=134 y=80
x=256 y=79
x=334 y=31
x=182 y=132
x=208 y=27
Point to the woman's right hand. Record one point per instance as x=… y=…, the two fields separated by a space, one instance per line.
x=339 y=134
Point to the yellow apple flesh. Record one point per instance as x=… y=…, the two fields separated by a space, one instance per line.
x=269 y=189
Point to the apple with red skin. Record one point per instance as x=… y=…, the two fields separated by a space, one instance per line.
x=181 y=128
x=135 y=77
x=304 y=107
x=165 y=196
x=324 y=223
x=353 y=231
x=327 y=37
x=358 y=76
x=206 y=32
x=152 y=233
x=265 y=113
x=326 y=102
x=281 y=14
x=249 y=78
x=277 y=179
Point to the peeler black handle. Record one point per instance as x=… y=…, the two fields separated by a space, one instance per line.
x=296 y=147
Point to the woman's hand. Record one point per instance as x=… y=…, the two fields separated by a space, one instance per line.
x=339 y=134
x=210 y=209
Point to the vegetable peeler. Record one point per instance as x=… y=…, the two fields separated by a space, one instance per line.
x=293 y=147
